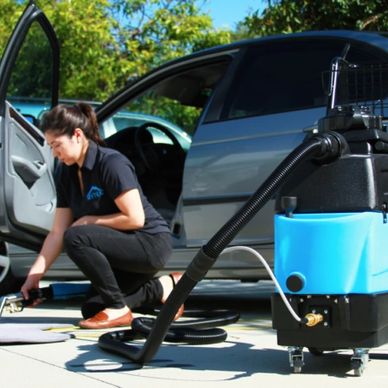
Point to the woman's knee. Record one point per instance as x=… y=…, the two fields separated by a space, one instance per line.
x=74 y=237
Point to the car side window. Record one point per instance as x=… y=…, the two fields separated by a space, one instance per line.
x=284 y=76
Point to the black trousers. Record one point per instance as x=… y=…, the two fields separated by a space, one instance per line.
x=120 y=265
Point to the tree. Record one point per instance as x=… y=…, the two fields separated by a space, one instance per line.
x=150 y=32
x=88 y=59
x=105 y=43
x=12 y=9
x=286 y=16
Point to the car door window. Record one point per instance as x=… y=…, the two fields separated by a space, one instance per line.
x=31 y=81
x=32 y=73
x=169 y=109
x=177 y=99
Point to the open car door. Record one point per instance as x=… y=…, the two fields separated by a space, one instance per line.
x=28 y=72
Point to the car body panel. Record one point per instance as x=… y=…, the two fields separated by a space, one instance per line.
x=246 y=160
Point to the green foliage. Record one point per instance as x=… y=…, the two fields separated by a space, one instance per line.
x=286 y=16
x=90 y=57
x=13 y=11
x=152 y=32
x=89 y=62
x=105 y=43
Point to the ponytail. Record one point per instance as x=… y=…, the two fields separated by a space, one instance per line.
x=64 y=119
x=91 y=130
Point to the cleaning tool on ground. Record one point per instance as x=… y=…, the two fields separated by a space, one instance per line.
x=29 y=333
x=16 y=302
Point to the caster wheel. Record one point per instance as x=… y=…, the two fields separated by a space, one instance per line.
x=359 y=361
x=295 y=355
x=358 y=372
x=297 y=364
x=297 y=369
x=358 y=367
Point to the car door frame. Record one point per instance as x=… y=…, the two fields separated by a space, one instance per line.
x=14 y=231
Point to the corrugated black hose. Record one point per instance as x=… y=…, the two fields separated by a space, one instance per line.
x=324 y=147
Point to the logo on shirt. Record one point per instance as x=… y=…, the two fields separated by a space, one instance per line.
x=94 y=193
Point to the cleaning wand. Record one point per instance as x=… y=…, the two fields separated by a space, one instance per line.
x=13 y=303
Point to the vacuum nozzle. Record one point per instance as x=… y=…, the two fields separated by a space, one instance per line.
x=312 y=319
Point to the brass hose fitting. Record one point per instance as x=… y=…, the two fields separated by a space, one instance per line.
x=312 y=319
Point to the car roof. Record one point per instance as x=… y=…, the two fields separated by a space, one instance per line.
x=377 y=39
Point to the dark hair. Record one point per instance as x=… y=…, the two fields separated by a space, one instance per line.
x=64 y=119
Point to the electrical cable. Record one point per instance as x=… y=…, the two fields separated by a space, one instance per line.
x=270 y=273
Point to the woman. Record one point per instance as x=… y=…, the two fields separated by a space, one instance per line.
x=104 y=223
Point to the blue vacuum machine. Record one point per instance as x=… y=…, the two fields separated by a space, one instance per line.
x=331 y=230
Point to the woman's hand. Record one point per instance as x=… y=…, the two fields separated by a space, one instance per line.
x=85 y=220
x=32 y=282
x=52 y=247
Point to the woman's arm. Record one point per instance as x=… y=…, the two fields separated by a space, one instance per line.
x=52 y=247
x=130 y=217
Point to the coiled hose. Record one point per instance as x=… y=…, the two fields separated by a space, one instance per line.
x=324 y=146
x=200 y=331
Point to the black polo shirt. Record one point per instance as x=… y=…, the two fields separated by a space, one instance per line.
x=106 y=174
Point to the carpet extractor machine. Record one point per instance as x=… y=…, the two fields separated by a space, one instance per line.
x=331 y=230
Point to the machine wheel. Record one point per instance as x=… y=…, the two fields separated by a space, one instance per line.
x=359 y=361
x=295 y=355
x=358 y=367
x=298 y=366
x=358 y=372
x=316 y=351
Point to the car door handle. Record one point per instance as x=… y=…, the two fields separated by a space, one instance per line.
x=29 y=171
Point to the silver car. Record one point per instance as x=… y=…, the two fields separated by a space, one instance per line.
x=245 y=106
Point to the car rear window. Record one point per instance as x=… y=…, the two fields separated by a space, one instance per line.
x=288 y=75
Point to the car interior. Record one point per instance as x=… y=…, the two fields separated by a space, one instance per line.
x=159 y=166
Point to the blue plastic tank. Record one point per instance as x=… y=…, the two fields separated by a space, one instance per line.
x=333 y=253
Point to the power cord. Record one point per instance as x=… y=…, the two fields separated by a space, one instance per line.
x=270 y=273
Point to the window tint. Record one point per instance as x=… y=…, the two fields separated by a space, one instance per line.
x=32 y=74
x=285 y=76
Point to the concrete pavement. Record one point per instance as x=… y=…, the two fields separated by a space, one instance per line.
x=249 y=357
